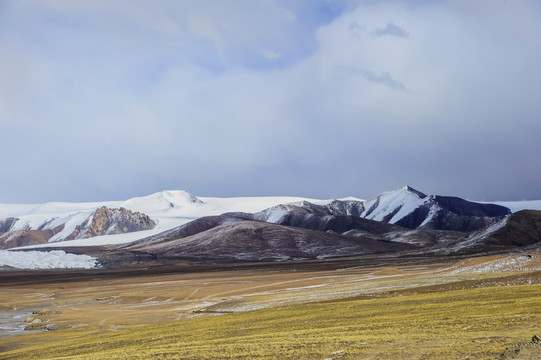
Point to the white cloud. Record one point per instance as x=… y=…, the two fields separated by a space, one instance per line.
x=270 y=54
x=208 y=29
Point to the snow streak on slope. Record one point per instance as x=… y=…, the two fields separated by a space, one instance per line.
x=394 y=205
x=512 y=263
x=476 y=237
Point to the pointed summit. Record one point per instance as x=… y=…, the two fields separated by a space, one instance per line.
x=417 y=192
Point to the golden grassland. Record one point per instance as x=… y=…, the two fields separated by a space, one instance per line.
x=477 y=323
x=390 y=312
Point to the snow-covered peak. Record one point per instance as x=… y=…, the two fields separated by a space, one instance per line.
x=393 y=205
x=409 y=189
x=162 y=201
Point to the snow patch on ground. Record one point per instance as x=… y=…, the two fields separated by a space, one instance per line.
x=55 y=259
x=515 y=263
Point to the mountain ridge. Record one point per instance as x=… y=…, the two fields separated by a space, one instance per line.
x=172 y=208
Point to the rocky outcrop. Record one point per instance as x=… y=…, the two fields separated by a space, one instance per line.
x=529 y=350
x=41 y=320
x=20 y=238
x=106 y=221
x=102 y=221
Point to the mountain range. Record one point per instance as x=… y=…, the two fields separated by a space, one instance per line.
x=405 y=207
x=175 y=225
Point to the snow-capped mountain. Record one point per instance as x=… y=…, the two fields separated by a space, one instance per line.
x=404 y=216
x=81 y=224
x=338 y=216
x=410 y=208
x=405 y=207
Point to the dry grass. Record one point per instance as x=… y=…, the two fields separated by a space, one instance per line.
x=477 y=323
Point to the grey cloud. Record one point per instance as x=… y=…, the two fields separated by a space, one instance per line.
x=382 y=78
x=391 y=30
x=355 y=28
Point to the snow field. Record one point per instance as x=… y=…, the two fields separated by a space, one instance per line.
x=55 y=259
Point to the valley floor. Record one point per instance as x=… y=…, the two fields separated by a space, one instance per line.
x=356 y=308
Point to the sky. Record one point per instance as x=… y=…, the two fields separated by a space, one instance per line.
x=107 y=100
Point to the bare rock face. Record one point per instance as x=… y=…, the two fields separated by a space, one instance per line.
x=18 y=238
x=107 y=221
x=103 y=221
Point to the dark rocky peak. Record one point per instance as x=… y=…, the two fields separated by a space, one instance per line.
x=345 y=207
x=6 y=224
x=416 y=192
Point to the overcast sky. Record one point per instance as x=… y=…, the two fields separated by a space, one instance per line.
x=106 y=100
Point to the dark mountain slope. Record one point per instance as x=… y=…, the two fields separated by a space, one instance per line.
x=318 y=217
x=518 y=231
x=522 y=229
x=233 y=239
x=405 y=207
x=452 y=213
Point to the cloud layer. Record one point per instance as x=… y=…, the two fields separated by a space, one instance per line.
x=108 y=100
